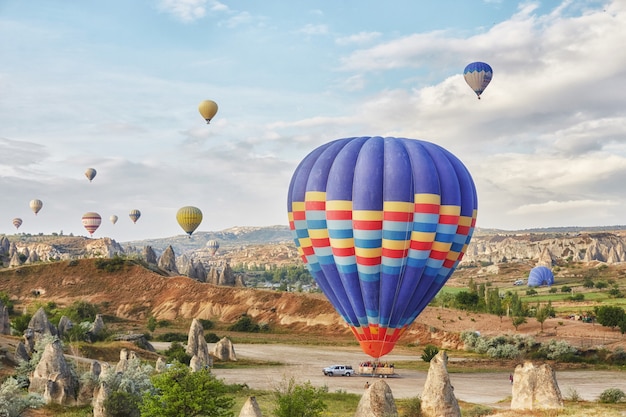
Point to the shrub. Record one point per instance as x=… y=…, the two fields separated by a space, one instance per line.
x=477 y=410
x=110 y=265
x=206 y=324
x=430 y=351
x=611 y=396
x=573 y=395
x=302 y=400
x=211 y=338
x=245 y=324
x=412 y=407
x=172 y=337
x=176 y=353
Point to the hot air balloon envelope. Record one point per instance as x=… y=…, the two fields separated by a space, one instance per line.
x=189 y=218
x=17 y=222
x=213 y=246
x=91 y=221
x=36 y=205
x=540 y=275
x=134 y=215
x=381 y=224
x=113 y=218
x=478 y=76
x=208 y=109
x=90 y=174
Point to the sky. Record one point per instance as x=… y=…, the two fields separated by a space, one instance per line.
x=116 y=85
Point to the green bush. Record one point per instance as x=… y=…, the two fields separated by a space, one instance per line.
x=611 y=396
x=245 y=324
x=172 y=337
x=211 y=338
x=110 y=265
x=176 y=353
x=302 y=400
x=430 y=351
x=412 y=407
x=206 y=324
x=478 y=410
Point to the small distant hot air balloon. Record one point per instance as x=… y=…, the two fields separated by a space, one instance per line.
x=113 y=218
x=91 y=222
x=208 y=109
x=134 y=215
x=36 y=205
x=213 y=246
x=17 y=222
x=90 y=174
x=381 y=224
x=189 y=218
x=478 y=76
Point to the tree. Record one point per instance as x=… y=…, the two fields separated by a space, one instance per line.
x=430 y=351
x=14 y=400
x=295 y=400
x=610 y=316
x=181 y=392
x=542 y=314
x=518 y=321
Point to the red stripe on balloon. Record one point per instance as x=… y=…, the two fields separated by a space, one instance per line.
x=367 y=224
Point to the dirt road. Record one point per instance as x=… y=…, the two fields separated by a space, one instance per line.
x=306 y=363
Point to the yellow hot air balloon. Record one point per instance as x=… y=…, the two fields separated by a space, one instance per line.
x=17 y=222
x=90 y=174
x=189 y=218
x=36 y=205
x=208 y=109
x=134 y=215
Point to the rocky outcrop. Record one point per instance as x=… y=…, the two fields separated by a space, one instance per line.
x=53 y=378
x=377 y=401
x=546 y=248
x=251 y=408
x=226 y=277
x=224 y=350
x=15 y=260
x=535 y=387
x=5 y=323
x=197 y=347
x=21 y=352
x=160 y=365
x=438 y=398
x=149 y=255
x=100 y=395
x=126 y=357
x=65 y=325
x=167 y=261
x=97 y=327
x=191 y=269
x=139 y=339
x=38 y=327
x=32 y=258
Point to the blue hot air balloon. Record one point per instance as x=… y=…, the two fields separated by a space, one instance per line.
x=540 y=275
x=478 y=76
x=381 y=224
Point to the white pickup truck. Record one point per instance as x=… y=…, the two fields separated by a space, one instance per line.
x=341 y=370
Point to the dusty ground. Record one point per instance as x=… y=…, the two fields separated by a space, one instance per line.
x=306 y=363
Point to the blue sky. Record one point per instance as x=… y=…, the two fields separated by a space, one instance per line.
x=115 y=86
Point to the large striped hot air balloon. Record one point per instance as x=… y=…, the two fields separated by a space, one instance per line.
x=134 y=215
x=36 y=205
x=189 y=218
x=91 y=221
x=381 y=224
x=213 y=245
x=478 y=76
x=17 y=222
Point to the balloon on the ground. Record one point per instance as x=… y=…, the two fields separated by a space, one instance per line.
x=189 y=218
x=381 y=224
x=540 y=275
x=17 y=222
x=91 y=221
x=90 y=174
x=36 y=205
x=113 y=218
x=134 y=215
x=208 y=110
x=478 y=76
x=213 y=245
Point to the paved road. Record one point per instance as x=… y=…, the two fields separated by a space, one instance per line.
x=306 y=363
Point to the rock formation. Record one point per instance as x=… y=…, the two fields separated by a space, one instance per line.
x=32 y=258
x=53 y=378
x=224 y=350
x=65 y=324
x=377 y=401
x=97 y=327
x=22 y=352
x=15 y=260
x=438 y=398
x=167 y=261
x=160 y=365
x=535 y=387
x=197 y=347
x=251 y=408
x=191 y=269
x=126 y=357
x=38 y=327
x=100 y=395
x=5 y=323
x=227 y=277
x=149 y=256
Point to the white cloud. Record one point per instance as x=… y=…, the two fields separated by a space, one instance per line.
x=185 y=10
x=358 y=38
x=314 y=30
